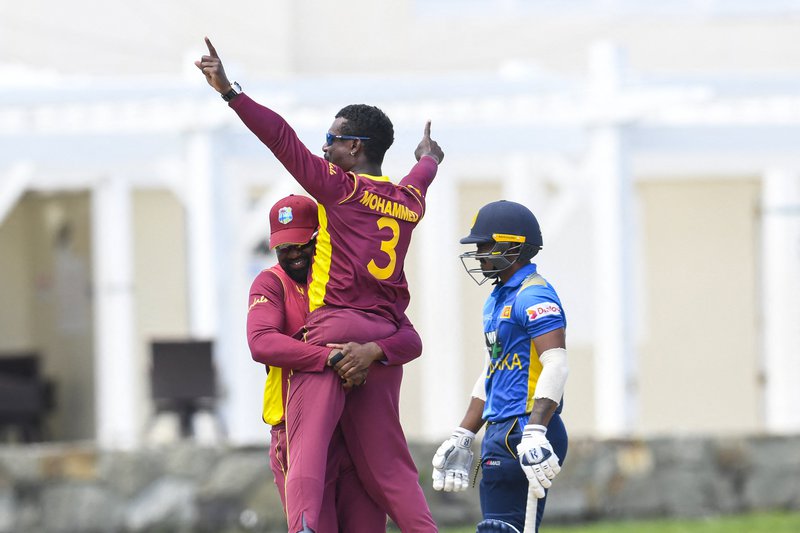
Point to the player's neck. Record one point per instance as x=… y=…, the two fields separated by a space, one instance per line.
x=367 y=168
x=506 y=274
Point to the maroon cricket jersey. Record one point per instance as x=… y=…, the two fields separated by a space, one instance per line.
x=365 y=221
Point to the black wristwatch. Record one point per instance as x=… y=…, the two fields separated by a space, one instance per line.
x=235 y=91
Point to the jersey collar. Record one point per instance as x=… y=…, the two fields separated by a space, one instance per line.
x=375 y=178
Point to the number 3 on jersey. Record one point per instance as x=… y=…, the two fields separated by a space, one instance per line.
x=387 y=247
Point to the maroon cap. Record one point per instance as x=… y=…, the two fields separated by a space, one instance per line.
x=292 y=220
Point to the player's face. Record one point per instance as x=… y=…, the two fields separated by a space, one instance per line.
x=489 y=269
x=296 y=260
x=338 y=152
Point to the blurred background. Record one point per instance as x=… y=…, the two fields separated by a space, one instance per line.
x=657 y=144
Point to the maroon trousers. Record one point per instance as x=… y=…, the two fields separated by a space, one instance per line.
x=346 y=505
x=370 y=422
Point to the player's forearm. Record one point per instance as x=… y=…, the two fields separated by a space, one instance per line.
x=542 y=412
x=473 y=418
x=277 y=349
x=421 y=174
x=403 y=346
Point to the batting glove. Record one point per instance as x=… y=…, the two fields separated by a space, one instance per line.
x=453 y=461
x=537 y=458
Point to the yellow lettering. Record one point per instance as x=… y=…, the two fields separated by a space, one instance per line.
x=259 y=300
x=387 y=247
x=388 y=207
x=506 y=364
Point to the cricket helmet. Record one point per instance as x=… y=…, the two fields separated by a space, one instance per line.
x=512 y=228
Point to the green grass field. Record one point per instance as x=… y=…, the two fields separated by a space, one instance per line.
x=753 y=523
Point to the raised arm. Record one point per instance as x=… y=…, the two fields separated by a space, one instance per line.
x=429 y=155
x=324 y=181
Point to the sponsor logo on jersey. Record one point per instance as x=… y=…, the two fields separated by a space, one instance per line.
x=491 y=462
x=506 y=312
x=493 y=346
x=285 y=215
x=388 y=207
x=259 y=300
x=331 y=169
x=542 y=309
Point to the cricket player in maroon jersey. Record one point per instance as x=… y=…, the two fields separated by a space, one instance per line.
x=278 y=307
x=358 y=292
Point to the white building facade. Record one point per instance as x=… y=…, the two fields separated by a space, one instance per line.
x=665 y=175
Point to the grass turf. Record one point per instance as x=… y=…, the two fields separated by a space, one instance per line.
x=752 y=523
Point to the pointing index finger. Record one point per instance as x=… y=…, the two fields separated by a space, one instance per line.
x=211 y=49
x=427 y=129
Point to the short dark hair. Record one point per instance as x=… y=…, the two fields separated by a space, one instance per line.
x=368 y=121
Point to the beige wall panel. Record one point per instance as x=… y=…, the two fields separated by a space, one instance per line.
x=60 y=252
x=16 y=281
x=698 y=364
x=160 y=275
x=578 y=411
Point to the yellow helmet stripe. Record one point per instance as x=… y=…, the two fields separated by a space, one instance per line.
x=505 y=237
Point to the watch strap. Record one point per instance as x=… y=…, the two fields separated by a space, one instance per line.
x=234 y=91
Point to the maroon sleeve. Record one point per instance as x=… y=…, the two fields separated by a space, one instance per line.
x=326 y=182
x=403 y=346
x=420 y=178
x=265 y=322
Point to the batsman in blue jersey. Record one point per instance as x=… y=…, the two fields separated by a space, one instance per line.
x=520 y=391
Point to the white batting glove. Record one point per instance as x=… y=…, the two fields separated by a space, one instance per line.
x=453 y=461
x=537 y=458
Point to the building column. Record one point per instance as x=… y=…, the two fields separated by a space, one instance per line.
x=437 y=250
x=780 y=308
x=118 y=383
x=201 y=166
x=241 y=379
x=523 y=185
x=608 y=168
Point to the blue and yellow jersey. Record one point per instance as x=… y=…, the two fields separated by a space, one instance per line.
x=516 y=312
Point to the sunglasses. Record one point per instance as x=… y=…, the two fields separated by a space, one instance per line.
x=330 y=137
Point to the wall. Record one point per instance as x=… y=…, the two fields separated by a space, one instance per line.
x=183 y=487
x=699 y=358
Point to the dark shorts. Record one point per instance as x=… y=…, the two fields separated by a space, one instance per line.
x=504 y=486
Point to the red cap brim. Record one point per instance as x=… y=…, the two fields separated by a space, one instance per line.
x=291 y=236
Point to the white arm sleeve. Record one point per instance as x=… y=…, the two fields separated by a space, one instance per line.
x=479 y=390
x=554 y=375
